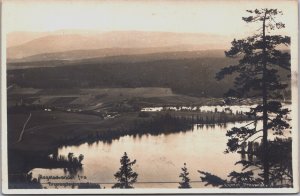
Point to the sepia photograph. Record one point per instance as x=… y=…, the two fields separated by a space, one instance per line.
x=149 y=97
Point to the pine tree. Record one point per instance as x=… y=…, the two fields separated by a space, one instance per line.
x=125 y=176
x=185 y=183
x=257 y=75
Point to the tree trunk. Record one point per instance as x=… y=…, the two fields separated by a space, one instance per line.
x=265 y=111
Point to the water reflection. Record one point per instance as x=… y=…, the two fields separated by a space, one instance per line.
x=159 y=157
x=73 y=172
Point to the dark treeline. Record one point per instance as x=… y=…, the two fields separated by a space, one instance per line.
x=156 y=125
x=187 y=76
x=211 y=117
x=163 y=123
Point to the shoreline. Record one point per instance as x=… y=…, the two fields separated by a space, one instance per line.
x=88 y=127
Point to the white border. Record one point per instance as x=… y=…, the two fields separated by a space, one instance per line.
x=3 y=107
x=295 y=145
x=295 y=103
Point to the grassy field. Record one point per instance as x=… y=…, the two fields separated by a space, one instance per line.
x=99 y=98
x=46 y=130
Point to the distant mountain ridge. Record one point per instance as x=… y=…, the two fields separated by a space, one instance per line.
x=133 y=58
x=167 y=52
x=56 y=46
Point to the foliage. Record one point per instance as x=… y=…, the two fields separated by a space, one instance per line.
x=211 y=179
x=255 y=52
x=185 y=182
x=257 y=74
x=186 y=76
x=25 y=181
x=126 y=176
x=280 y=168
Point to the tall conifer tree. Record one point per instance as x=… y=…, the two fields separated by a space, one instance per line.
x=126 y=176
x=262 y=61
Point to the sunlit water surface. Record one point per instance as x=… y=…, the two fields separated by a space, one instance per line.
x=159 y=157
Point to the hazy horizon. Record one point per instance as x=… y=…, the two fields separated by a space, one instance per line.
x=22 y=44
x=37 y=27
x=12 y=36
x=152 y=16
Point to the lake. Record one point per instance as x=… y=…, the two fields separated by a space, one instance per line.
x=159 y=157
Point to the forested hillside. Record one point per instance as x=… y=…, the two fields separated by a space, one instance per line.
x=190 y=76
x=187 y=76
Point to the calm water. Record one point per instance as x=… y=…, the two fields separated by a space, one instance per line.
x=159 y=158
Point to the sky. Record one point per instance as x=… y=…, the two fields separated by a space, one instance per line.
x=206 y=16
